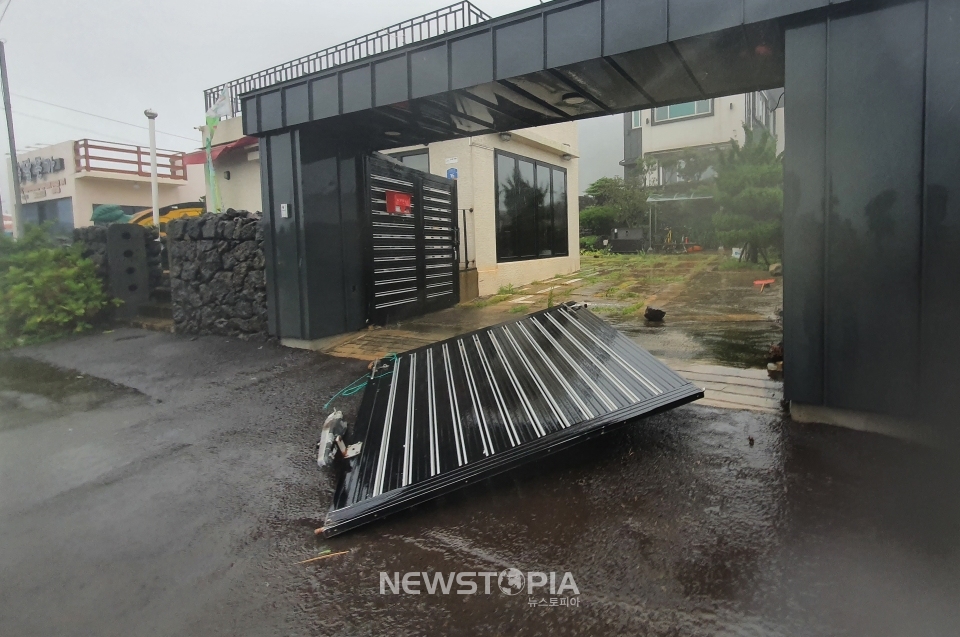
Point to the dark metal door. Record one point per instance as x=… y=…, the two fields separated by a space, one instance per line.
x=438 y=417
x=413 y=256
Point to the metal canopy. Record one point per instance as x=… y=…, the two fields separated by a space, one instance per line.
x=436 y=418
x=559 y=61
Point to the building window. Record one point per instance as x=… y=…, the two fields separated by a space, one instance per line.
x=682 y=111
x=531 y=209
x=416 y=159
x=636 y=118
x=760 y=109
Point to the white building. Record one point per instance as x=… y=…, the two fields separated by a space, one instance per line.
x=668 y=133
x=492 y=241
x=65 y=182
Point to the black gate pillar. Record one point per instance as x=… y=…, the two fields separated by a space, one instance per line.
x=313 y=240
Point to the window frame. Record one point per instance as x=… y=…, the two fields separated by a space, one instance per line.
x=410 y=153
x=682 y=118
x=636 y=120
x=497 y=153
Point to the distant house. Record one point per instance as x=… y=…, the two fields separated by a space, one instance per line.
x=62 y=184
x=668 y=136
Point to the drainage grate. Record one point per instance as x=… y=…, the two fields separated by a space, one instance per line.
x=464 y=409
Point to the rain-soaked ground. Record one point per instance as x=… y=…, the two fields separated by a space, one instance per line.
x=172 y=488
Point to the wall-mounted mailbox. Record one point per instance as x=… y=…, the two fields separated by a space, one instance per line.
x=398 y=203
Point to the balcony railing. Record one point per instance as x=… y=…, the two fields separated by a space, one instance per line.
x=126 y=159
x=456 y=16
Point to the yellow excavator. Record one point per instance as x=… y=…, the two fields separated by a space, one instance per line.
x=168 y=213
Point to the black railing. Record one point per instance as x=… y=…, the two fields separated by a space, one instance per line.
x=424 y=27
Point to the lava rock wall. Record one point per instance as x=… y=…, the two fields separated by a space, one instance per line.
x=217 y=280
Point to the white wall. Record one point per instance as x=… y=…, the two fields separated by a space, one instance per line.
x=477 y=189
x=725 y=124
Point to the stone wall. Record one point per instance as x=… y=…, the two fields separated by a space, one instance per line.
x=94 y=239
x=217 y=279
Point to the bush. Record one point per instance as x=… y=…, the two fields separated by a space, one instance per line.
x=46 y=290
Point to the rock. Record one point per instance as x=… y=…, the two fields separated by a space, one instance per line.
x=776 y=269
x=654 y=314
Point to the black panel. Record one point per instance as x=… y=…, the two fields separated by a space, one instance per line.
x=633 y=24
x=439 y=417
x=696 y=17
x=756 y=10
x=428 y=70
x=268 y=239
x=251 y=119
x=574 y=34
x=325 y=97
x=519 y=48
x=549 y=90
x=391 y=80
x=354 y=231
x=659 y=72
x=296 y=105
x=357 y=89
x=803 y=213
x=322 y=229
x=471 y=60
x=873 y=259
x=940 y=338
x=600 y=80
x=736 y=60
x=286 y=244
x=271 y=111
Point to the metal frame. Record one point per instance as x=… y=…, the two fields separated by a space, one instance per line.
x=526 y=389
x=429 y=25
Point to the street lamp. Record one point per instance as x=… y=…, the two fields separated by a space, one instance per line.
x=154 y=187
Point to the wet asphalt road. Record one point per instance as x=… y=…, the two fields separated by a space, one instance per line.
x=170 y=489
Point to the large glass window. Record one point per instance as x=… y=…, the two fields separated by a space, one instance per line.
x=682 y=111
x=531 y=209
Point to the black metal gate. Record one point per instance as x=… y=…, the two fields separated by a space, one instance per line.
x=414 y=256
x=435 y=418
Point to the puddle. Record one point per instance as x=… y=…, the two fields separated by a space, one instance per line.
x=31 y=391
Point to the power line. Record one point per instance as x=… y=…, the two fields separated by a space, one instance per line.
x=109 y=119
x=2 y=15
x=88 y=130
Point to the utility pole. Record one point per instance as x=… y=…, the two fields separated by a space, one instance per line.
x=15 y=184
x=154 y=188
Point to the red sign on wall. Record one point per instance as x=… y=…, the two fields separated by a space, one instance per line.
x=398 y=203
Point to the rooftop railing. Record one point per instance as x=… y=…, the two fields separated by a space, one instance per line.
x=92 y=155
x=424 y=27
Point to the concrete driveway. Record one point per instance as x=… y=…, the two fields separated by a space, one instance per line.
x=157 y=485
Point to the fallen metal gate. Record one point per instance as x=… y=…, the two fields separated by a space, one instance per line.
x=438 y=417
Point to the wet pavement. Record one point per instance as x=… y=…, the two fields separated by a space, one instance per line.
x=175 y=495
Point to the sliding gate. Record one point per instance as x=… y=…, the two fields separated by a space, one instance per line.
x=438 y=417
x=414 y=241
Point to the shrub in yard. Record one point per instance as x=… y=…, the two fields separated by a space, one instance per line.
x=46 y=289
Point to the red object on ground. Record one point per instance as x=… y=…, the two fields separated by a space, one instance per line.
x=398 y=203
x=764 y=283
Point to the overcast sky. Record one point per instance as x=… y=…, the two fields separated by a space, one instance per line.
x=114 y=58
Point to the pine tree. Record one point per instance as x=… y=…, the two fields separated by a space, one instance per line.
x=749 y=191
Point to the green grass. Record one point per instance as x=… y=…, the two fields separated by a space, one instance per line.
x=490 y=300
x=506 y=290
x=518 y=309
